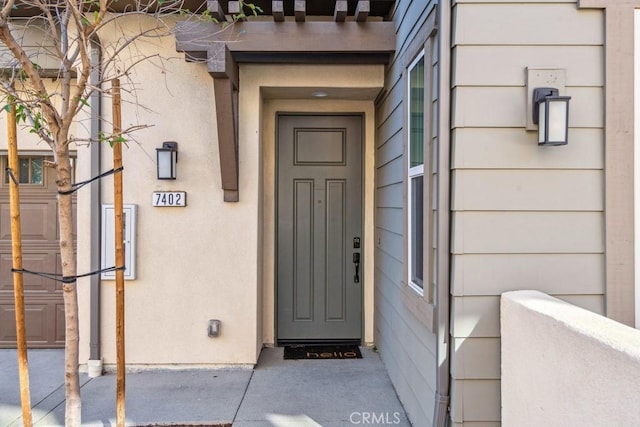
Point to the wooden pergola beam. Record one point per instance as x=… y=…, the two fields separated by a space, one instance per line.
x=340 y=13
x=235 y=8
x=287 y=37
x=277 y=10
x=215 y=9
x=300 y=10
x=362 y=10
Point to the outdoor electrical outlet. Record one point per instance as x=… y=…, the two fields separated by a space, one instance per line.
x=214 y=328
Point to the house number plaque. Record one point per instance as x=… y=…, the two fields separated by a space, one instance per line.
x=170 y=198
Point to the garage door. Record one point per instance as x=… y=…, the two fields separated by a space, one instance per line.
x=44 y=309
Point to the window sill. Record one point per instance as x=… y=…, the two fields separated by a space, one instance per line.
x=417 y=289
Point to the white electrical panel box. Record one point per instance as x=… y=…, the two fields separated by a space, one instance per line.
x=108 y=242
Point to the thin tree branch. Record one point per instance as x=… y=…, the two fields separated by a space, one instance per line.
x=6 y=10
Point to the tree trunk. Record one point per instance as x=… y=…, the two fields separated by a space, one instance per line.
x=67 y=254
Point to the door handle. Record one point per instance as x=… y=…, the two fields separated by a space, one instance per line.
x=356 y=261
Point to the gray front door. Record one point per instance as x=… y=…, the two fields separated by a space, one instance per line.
x=319 y=228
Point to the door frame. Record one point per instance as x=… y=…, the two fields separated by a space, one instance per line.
x=267 y=122
x=363 y=147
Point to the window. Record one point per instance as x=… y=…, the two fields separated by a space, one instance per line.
x=30 y=170
x=416 y=172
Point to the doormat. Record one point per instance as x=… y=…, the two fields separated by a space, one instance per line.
x=322 y=352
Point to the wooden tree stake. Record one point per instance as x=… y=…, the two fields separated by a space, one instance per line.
x=18 y=287
x=119 y=252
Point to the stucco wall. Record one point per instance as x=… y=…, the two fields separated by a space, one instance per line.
x=194 y=263
x=523 y=216
x=566 y=366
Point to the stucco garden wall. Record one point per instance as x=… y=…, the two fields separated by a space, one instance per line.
x=566 y=366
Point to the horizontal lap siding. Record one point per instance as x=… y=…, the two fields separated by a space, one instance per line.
x=493 y=274
x=524 y=217
x=521 y=232
x=406 y=345
x=528 y=190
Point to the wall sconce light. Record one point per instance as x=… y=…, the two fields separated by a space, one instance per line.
x=167 y=159
x=551 y=113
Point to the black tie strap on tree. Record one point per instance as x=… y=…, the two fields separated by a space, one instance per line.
x=65 y=279
x=11 y=175
x=60 y=277
x=75 y=187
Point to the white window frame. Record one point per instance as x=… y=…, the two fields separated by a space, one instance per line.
x=414 y=172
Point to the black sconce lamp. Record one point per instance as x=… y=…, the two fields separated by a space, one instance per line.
x=167 y=159
x=551 y=113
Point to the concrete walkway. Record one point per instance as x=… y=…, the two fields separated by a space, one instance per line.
x=276 y=393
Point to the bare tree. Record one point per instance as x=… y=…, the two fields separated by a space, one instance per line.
x=71 y=27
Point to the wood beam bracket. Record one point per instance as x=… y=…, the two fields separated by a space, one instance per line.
x=227 y=118
x=340 y=11
x=224 y=70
